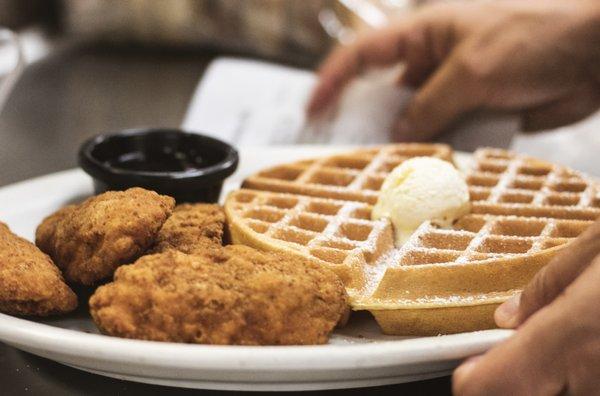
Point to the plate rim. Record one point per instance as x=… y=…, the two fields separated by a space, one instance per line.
x=42 y=336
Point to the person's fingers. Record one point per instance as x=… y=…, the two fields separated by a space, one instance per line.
x=428 y=44
x=551 y=280
x=442 y=100
x=379 y=48
x=434 y=34
x=578 y=105
x=417 y=57
x=552 y=353
x=523 y=365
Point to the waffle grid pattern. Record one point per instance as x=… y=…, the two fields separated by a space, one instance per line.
x=556 y=205
x=522 y=208
x=346 y=177
x=502 y=183
x=480 y=237
x=552 y=205
x=329 y=230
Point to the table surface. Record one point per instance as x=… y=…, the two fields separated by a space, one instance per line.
x=57 y=104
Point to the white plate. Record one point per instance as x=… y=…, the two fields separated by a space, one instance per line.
x=357 y=355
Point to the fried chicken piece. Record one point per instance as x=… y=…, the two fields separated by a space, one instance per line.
x=30 y=283
x=44 y=235
x=192 y=228
x=89 y=241
x=233 y=295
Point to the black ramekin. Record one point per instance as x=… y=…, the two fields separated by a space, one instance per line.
x=214 y=161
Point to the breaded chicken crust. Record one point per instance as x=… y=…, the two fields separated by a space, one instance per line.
x=234 y=295
x=192 y=228
x=44 y=235
x=89 y=241
x=30 y=283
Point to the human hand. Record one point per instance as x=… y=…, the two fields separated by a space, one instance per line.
x=540 y=58
x=556 y=348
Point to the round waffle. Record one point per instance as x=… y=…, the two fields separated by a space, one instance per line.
x=442 y=280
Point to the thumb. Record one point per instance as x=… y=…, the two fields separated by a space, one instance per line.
x=551 y=280
x=442 y=100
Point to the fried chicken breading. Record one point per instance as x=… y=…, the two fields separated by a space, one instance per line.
x=30 y=283
x=89 y=241
x=232 y=295
x=44 y=235
x=192 y=228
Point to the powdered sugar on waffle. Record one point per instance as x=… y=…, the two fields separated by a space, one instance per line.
x=521 y=209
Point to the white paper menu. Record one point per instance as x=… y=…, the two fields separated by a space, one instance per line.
x=254 y=103
x=257 y=103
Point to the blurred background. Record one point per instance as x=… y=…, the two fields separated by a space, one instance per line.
x=95 y=66
x=298 y=32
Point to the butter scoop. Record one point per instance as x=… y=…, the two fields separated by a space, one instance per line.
x=422 y=189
